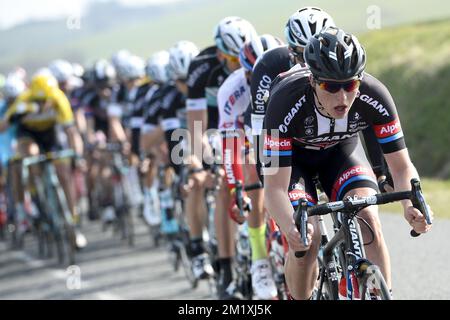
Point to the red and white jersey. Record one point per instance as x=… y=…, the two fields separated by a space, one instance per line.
x=233 y=99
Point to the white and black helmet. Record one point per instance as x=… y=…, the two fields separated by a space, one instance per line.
x=13 y=86
x=78 y=70
x=119 y=57
x=335 y=54
x=181 y=55
x=254 y=49
x=132 y=67
x=157 y=67
x=62 y=70
x=304 y=24
x=231 y=33
x=104 y=72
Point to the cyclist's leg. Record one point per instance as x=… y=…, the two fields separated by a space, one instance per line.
x=48 y=142
x=262 y=279
x=301 y=273
x=225 y=231
x=26 y=146
x=256 y=218
x=196 y=217
x=149 y=170
x=348 y=174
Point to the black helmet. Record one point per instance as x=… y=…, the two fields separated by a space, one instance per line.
x=335 y=54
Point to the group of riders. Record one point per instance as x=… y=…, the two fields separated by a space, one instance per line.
x=251 y=109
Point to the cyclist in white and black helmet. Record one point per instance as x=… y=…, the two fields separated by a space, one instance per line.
x=167 y=110
x=206 y=74
x=103 y=118
x=312 y=123
x=300 y=27
x=233 y=101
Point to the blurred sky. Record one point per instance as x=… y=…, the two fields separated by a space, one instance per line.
x=13 y=12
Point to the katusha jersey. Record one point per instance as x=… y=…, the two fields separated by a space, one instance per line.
x=233 y=100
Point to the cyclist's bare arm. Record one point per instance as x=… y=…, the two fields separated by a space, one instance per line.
x=198 y=119
x=151 y=139
x=116 y=130
x=75 y=141
x=403 y=171
x=81 y=121
x=90 y=130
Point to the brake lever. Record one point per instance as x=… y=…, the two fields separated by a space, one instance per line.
x=239 y=198
x=418 y=201
x=301 y=221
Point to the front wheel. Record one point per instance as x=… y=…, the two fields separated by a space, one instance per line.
x=372 y=284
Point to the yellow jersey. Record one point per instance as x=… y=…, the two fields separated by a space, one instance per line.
x=43 y=114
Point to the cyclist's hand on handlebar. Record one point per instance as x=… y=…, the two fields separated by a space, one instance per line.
x=294 y=239
x=210 y=180
x=384 y=184
x=126 y=147
x=235 y=215
x=417 y=220
x=196 y=179
x=234 y=211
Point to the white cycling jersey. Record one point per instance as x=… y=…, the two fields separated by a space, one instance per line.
x=233 y=99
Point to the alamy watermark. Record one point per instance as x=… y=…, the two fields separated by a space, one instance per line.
x=73 y=280
x=73 y=22
x=189 y=147
x=374 y=17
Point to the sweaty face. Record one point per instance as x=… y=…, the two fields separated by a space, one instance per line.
x=335 y=105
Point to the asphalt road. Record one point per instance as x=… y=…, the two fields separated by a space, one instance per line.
x=109 y=269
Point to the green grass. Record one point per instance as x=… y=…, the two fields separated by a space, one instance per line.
x=414 y=63
x=437 y=195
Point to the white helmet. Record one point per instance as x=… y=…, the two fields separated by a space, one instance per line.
x=19 y=72
x=304 y=24
x=118 y=57
x=133 y=67
x=43 y=71
x=14 y=86
x=78 y=70
x=62 y=70
x=181 y=55
x=231 y=33
x=254 y=48
x=157 y=67
x=104 y=72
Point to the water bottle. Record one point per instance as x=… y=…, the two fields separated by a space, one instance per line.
x=343 y=288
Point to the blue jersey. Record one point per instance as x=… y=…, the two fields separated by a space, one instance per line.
x=7 y=138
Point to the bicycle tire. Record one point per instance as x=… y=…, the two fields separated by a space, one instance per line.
x=328 y=288
x=374 y=282
x=63 y=228
x=187 y=268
